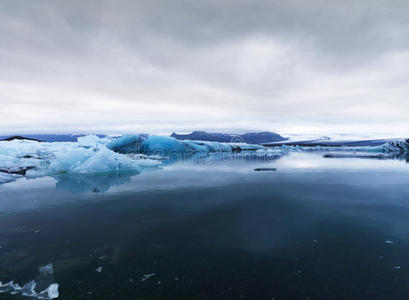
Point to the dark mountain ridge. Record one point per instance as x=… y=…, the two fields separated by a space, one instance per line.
x=249 y=138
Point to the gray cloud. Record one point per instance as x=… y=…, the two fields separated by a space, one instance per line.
x=159 y=66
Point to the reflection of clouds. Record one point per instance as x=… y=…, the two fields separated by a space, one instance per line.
x=98 y=183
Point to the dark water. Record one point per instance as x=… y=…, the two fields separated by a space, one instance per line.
x=314 y=229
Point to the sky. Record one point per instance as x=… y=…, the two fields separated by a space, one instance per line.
x=158 y=66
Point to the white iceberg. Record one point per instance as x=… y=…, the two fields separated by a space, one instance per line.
x=87 y=156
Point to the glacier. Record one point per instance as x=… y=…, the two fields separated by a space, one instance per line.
x=92 y=154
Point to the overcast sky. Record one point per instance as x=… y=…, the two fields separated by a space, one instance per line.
x=157 y=66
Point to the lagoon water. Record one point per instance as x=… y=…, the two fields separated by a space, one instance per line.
x=317 y=228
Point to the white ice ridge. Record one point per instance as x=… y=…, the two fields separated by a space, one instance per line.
x=29 y=289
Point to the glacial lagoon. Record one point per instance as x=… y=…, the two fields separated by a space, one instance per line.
x=316 y=228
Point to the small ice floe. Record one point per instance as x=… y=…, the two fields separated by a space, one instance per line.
x=388 y=242
x=397 y=267
x=99 y=269
x=47 y=269
x=315 y=241
x=147 y=276
x=9 y=287
x=29 y=290
x=265 y=169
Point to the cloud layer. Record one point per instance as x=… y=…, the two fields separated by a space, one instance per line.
x=160 y=66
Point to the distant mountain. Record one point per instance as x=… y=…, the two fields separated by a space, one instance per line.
x=249 y=138
x=17 y=137
x=47 y=137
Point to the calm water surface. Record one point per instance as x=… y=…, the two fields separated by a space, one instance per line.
x=315 y=229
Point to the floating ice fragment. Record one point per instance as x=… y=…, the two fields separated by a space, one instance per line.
x=388 y=242
x=397 y=267
x=9 y=287
x=147 y=276
x=28 y=289
x=99 y=269
x=265 y=169
x=47 y=269
x=49 y=293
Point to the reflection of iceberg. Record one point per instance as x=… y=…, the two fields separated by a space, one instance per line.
x=44 y=281
x=96 y=183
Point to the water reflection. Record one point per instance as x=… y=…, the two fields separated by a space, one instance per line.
x=101 y=183
x=314 y=229
x=96 y=183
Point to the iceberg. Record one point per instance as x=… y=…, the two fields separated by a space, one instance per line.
x=163 y=146
x=154 y=145
x=89 y=155
x=91 y=161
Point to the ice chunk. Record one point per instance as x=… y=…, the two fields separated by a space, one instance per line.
x=49 y=293
x=213 y=146
x=97 y=160
x=104 y=160
x=147 y=276
x=163 y=146
x=9 y=287
x=99 y=269
x=67 y=161
x=28 y=289
x=127 y=143
x=265 y=169
x=44 y=278
x=47 y=269
x=91 y=141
